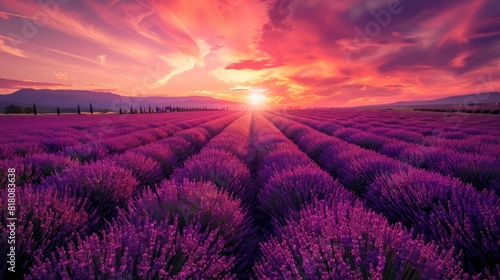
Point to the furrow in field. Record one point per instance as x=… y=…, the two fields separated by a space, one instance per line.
x=46 y=137
x=442 y=209
x=83 y=199
x=475 y=138
x=482 y=171
x=319 y=230
x=34 y=168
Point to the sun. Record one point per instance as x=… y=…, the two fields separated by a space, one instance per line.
x=256 y=98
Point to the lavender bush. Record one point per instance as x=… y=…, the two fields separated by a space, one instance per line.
x=32 y=169
x=145 y=170
x=100 y=185
x=443 y=210
x=203 y=206
x=86 y=152
x=284 y=159
x=196 y=137
x=346 y=242
x=291 y=190
x=43 y=223
x=179 y=146
x=161 y=154
x=144 y=250
x=224 y=169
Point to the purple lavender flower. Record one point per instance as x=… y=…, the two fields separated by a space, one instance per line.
x=144 y=250
x=367 y=140
x=480 y=170
x=286 y=158
x=444 y=210
x=196 y=137
x=86 y=152
x=22 y=149
x=179 y=146
x=314 y=144
x=358 y=171
x=204 y=206
x=56 y=144
x=43 y=223
x=224 y=169
x=32 y=169
x=160 y=153
x=346 y=242
x=293 y=189
x=121 y=143
x=102 y=185
x=147 y=171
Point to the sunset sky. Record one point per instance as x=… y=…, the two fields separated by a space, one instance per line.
x=281 y=52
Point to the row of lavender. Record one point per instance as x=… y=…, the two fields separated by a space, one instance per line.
x=470 y=125
x=481 y=169
x=443 y=210
x=32 y=168
x=474 y=134
x=83 y=198
x=320 y=231
x=193 y=229
x=75 y=126
x=473 y=125
x=47 y=135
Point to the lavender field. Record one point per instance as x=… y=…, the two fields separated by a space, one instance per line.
x=299 y=194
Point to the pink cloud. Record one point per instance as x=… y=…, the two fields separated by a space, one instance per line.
x=4 y=15
x=18 y=84
x=254 y=64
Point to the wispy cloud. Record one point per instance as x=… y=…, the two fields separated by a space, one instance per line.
x=61 y=76
x=18 y=84
x=6 y=47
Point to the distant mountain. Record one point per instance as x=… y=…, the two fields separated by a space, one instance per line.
x=105 y=100
x=471 y=99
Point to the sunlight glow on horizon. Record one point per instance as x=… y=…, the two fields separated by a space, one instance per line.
x=257 y=99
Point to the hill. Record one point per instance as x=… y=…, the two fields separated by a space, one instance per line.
x=471 y=99
x=105 y=100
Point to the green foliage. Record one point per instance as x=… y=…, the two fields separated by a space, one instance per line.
x=14 y=109
x=28 y=110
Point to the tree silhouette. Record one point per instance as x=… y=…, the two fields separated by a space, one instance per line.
x=58 y=111
x=79 y=111
x=91 y=109
x=34 y=109
x=14 y=109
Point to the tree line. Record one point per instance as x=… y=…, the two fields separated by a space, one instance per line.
x=15 y=109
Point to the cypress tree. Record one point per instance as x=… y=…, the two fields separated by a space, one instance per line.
x=34 y=109
x=91 y=109
x=79 y=111
x=121 y=111
x=131 y=109
x=58 y=111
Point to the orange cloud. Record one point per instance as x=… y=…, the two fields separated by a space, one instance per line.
x=18 y=84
